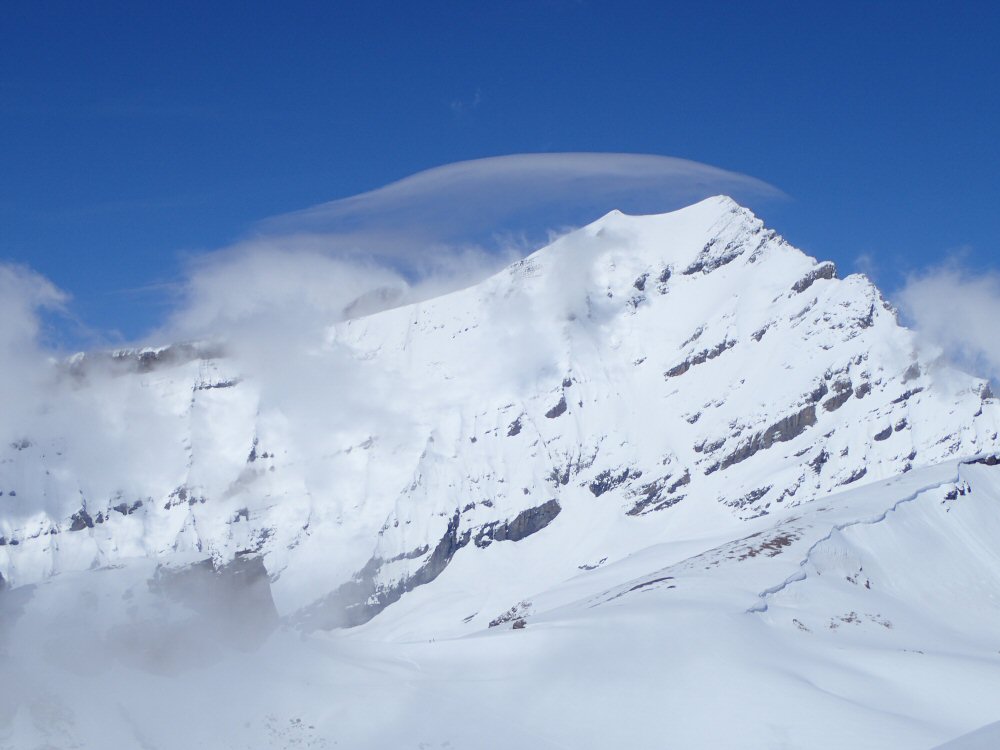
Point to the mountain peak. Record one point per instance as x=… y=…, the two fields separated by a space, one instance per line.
x=689 y=365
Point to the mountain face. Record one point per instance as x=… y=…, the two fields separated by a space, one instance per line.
x=699 y=470
x=636 y=375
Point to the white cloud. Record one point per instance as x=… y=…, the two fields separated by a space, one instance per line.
x=469 y=200
x=258 y=285
x=24 y=296
x=957 y=309
x=427 y=234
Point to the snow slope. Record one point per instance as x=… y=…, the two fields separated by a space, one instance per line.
x=868 y=619
x=703 y=471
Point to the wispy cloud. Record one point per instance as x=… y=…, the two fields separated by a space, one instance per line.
x=461 y=107
x=956 y=309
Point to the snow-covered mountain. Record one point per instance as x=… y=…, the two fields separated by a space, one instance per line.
x=673 y=426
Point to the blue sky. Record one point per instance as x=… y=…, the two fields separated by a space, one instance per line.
x=134 y=136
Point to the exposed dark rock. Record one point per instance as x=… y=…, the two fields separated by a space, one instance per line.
x=662 y=280
x=515 y=428
x=635 y=300
x=219 y=384
x=819 y=462
x=900 y=425
x=907 y=395
x=526 y=523
x=178 y=497
x=593 y=566
x=357 y=601
x=557 y=410
x=609 y=479
x=707 y=260
x=842 y=390
x=560 y=476
x=750 y=498
x=715 y=351
x=818 y=393
x=694 y=336
x=361 y=599
x=640 y=283
x=709 y=447
x=759 y=334
x=658 y=495
x=514 y=614
x=862 y=390
x=912 y=372
x=700 y=358
x=81 y=520
x=787 y=429
x=822 y=271
x=993 y=460
x=868 y=320
x=855 y=476
x=677 y=370
x=653 y=582
x=147 y=360
x=883 y=434
x=257 y=541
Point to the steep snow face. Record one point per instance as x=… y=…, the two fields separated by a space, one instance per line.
x=641 y=380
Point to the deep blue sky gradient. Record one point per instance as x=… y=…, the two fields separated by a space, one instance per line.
x=132 y=133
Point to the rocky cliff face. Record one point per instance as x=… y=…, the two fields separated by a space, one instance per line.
x=638 y=376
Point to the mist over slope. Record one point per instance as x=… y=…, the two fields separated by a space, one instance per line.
x=665 y=460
